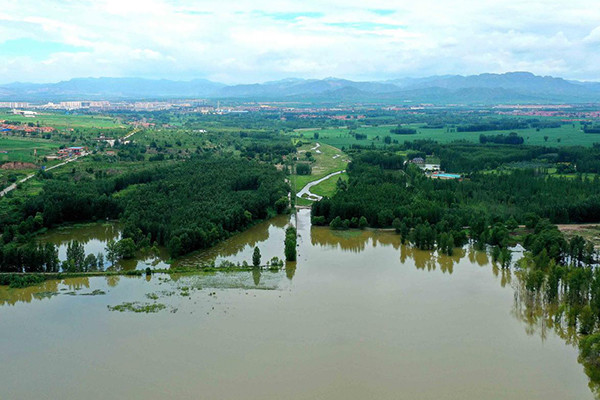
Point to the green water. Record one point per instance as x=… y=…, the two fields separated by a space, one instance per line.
x=359 y=316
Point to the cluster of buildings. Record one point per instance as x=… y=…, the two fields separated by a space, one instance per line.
x=433 y=170
x=68 y=152
x=73 y=105
x=7 y=128
x=572 y=113
x=14 y=104
x=343 y=117
x=193 y=106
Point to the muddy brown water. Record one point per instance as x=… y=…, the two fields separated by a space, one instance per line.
x=359 y=316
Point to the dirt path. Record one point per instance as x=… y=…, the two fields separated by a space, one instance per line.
x=575 y=227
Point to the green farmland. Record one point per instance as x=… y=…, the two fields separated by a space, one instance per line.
x=63 y=120
x=566 y=135
x=21 y=149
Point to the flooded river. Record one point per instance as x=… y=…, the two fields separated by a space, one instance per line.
x=359 y=316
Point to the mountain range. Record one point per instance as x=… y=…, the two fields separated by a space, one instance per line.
x=512 y=87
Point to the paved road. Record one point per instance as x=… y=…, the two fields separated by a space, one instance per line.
x=12 y=187
x=306 y=189
x=28 y=177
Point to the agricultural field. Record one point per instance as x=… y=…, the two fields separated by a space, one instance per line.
x=22 y=149
x=566 y=135
x=64 y=120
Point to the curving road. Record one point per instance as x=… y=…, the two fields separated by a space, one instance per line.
x=306 y=189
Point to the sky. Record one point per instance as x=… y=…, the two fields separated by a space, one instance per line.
x=261 y=40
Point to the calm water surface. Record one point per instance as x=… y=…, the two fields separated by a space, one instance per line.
x=358 y=316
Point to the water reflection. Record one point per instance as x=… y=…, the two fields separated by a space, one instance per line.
x=540 y=315
x=268 y=236
x=290 y=269
x=256 y=276
x=537 y=314
x=357 y=241
x=384 y=316
x=46 y=290
x=94 y=237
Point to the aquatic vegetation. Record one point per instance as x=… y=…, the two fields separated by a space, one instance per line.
x=21 y=281
x=96 y=292
x=45 y=295
x=138 y=307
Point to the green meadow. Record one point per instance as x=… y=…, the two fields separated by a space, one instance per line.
x=329 y=187
x=567 y=135
x=324 y=163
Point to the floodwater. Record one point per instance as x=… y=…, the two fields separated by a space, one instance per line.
x=238 y=248
x=359 y=316
x=94 y=237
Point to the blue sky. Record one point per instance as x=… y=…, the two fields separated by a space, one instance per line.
x=247 y=41
x=35 y=49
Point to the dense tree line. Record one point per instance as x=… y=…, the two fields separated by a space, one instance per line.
x=500 y=125
x=195 y=204
x=382 y=193
x=403 y=131
x=591 y=129
x=469 y=157
x=511 y=138
x=303 y=169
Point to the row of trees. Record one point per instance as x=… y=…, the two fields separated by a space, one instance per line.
x=290 y=244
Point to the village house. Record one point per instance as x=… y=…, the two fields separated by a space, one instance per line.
x=71 y=152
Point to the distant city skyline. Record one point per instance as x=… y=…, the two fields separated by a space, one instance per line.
x=264 y=40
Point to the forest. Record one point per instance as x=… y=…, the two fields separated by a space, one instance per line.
x=184 y=206
x=382 y=188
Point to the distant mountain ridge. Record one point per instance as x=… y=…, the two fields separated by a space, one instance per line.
x=512 y=87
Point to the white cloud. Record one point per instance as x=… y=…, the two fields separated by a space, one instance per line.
x=257 y=40
x=593 y=37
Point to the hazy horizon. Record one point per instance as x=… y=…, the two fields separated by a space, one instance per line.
x=299 y=78
x=259 y=41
